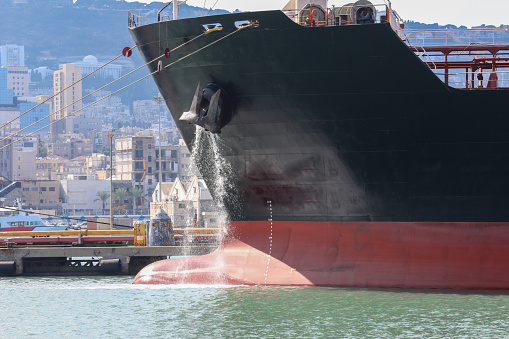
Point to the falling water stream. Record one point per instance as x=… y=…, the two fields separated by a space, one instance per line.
x=207 y=153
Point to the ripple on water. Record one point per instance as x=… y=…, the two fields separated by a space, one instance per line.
x=112 y=307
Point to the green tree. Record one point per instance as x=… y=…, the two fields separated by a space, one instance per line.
x=43 y=150
x=106 y=150
x=121 y=194
x=150 y=191
x=103 y=196
x=137 y=194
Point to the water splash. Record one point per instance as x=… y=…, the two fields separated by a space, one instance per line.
x=223 y=173
x=208 y=155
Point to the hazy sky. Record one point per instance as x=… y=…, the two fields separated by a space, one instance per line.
x=457 y=12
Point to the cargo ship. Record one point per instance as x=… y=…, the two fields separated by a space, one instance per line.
x=354 y=162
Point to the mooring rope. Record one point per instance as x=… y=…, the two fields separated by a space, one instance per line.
x=52 y=114
x=74 y=83
x=121 y=89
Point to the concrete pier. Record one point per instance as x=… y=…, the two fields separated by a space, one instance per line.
x=126 y=260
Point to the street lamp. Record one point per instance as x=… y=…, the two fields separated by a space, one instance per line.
x=111 y=179
x=159 y=100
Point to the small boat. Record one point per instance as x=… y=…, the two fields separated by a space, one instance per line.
x=24 y=221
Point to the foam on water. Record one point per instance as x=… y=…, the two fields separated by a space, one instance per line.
x=142 y=287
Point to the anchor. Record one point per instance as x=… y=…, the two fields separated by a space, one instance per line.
x=210 y=109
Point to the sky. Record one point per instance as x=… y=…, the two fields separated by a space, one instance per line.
x=457 y=12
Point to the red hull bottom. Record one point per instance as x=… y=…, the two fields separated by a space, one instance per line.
x=348 y=254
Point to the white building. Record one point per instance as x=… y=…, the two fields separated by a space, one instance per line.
x=91 y=64
x=188 y=204
x=24 y=166
x=68 y=101
x=7 y=114
x=18 y=80
x=43 y=71
x=80 y=196
x=12 y=55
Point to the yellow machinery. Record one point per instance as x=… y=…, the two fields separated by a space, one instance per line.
x=140 y=234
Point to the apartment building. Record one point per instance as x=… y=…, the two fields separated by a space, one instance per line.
x=24 y=165
x=18 y=80
x=38 y=194
x=37 y=118
x=137 y=159
x=187 y=169
x=12 y=55
x=6 y=94
x=68 y=101
x=71 y=148
x=48 y=168
x=97 y=161
x=5 y=159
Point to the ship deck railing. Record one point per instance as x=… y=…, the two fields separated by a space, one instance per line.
x=481 y=52
x=383 y=14
x=305 y=17
x=136 y=19
x=485 y=36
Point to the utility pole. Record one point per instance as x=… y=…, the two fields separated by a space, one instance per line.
x=159 y=100
x=111 y=179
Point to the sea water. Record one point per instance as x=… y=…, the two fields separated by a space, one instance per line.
x=111 y=307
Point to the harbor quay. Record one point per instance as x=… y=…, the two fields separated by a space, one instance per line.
x=73 y=260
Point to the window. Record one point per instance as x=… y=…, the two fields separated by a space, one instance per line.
x=43 y=189
x=34 y=189
x=182 y=206
x=42 y=201
x=52 y=189
x=26 y=189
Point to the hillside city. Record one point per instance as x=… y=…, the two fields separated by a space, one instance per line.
x=56 y=138
x=56 y=152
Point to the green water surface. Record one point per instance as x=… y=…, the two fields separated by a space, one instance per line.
x=110 y=307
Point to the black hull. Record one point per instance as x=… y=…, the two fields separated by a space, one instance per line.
x=339 y=123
